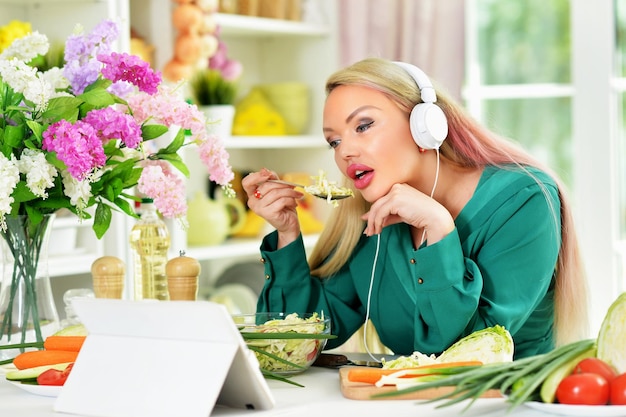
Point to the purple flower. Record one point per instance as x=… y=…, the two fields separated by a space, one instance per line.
x=111 y=124
x=131 y=68
x=81 y=67
x=77 y=145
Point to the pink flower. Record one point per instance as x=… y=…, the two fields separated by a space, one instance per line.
x=131 y=68
x=166 y=188
x=111 y=124
x=229 y=68
x=77 y=145
x=215 y=158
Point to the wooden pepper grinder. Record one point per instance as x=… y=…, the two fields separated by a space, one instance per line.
x=108 y=277
x=182 y=277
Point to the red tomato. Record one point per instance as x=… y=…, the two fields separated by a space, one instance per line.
x=618 y=390
x=583 y=389
x=595 y=366
x=54 y=376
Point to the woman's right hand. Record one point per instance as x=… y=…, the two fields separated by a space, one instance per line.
x=276 y=203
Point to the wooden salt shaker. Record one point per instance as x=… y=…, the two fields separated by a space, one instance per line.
x=182 y=277
x=108 y=277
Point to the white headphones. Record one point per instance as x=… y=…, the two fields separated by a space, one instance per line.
x=429 y=126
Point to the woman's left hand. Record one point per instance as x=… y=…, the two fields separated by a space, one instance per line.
x=405 y=204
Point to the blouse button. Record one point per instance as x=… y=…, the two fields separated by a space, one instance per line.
x=267 y=276
x=412 y=261
x=420 y=280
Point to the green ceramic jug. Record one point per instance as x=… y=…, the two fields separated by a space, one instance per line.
x=211 y=221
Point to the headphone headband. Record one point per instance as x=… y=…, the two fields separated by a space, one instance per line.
x=427 y=91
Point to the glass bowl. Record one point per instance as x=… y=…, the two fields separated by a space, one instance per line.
x=298 y=339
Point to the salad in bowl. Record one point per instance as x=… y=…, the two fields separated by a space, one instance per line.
x=284 y=344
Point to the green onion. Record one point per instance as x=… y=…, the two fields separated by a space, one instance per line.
x=275 y=336
x=289 y=335
x=471 y=382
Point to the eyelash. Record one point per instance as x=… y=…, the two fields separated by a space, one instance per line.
x=363 y=126
x=332 y=144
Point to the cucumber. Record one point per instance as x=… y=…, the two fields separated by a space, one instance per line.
x=31 y=374
x=550 y=384
x=73 y=330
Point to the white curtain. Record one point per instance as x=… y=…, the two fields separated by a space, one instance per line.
x=426 y=33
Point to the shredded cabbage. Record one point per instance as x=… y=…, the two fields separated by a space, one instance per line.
x=322 y=186
x=300 y=352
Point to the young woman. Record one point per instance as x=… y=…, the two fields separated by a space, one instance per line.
x=452 y=228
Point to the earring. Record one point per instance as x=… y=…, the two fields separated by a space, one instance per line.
x=422 y=150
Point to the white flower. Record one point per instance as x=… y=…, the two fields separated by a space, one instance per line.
x=54 y=77
x=17 y=74
x=9 y=177
x=40 y=174
x=79 y=192
x=26 y=48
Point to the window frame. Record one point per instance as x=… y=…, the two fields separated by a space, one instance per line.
x=595 y=90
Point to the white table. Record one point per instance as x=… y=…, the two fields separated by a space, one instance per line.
x=320 y=397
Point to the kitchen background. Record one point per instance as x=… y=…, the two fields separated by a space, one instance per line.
x=548 y=73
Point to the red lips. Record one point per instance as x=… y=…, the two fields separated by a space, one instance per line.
x=362 y=175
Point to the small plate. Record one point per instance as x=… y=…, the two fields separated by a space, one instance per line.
x=43 y=390
x=579 y=410
x=238 y=298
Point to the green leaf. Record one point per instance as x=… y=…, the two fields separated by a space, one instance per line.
x=152 y=131
x=100 y=83
x=125 y=206
x=102 y=219
x=175 y=160
x=98 y=98
x=113 y=188
x=37 y=129
x=22 y=193
x=13 y=136
x=63 y=108
x=52 y=159
x=173 y=147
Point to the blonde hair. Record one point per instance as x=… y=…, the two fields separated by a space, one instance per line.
x=468 y=144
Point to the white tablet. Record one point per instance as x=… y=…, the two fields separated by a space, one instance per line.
x=161 y=358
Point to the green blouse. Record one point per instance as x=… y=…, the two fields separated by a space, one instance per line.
x=496 y=267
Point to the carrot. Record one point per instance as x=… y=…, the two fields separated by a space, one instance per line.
x=69 y=343
x=372 y=375
x=34 y=358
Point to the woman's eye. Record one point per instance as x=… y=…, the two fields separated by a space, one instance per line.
x=364 y=126
x=333 y=143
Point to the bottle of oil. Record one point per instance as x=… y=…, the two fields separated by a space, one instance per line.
x=150 y=240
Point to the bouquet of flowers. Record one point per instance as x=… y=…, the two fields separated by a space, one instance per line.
x=84 y=134
x=81 y=136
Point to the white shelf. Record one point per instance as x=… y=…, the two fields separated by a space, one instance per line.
x=235 y=248
x=71 y=264
x=273 y=142
x=238 y=25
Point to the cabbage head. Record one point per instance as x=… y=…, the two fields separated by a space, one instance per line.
x=612 y=335
x=490 y=345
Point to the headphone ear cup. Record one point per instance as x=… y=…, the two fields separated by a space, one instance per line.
x=429 y=126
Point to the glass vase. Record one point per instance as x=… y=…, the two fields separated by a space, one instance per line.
x=27 y=310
